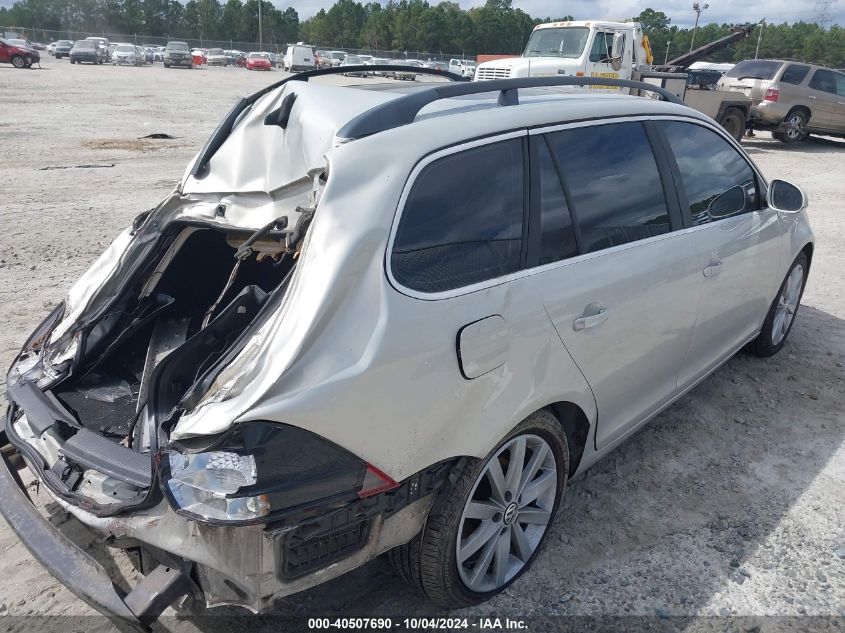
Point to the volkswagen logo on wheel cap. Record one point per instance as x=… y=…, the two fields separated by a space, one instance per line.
x=510 y=514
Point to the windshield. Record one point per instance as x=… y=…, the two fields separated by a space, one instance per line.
x=64 y=43
x=352 y=59
x=338 y=55
x=215 y=51
x=84 y=44
x=17 y=42
x=125 y=48
x=754 y=69
x=259 y=55
x=177 y=46
x=563 y=42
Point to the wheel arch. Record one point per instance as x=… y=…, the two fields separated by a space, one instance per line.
x=576 y=425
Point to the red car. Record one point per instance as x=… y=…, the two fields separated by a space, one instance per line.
x=17 y=55
x=258 y=61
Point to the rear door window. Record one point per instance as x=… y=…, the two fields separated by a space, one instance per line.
x=794 y=74
x=717 y=181
x=463 y=220
x=824 y=80
x=615 y=188
x=557 y=236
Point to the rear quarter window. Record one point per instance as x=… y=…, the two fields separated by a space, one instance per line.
x=462 y=222
x=794 y=74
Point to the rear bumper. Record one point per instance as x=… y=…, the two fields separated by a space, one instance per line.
x=76 y=570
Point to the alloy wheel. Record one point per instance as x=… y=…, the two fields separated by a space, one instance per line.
x=796 y=125
x=787 y=304
x=507 y=513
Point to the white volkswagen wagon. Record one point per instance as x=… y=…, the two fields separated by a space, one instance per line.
x=390 y=319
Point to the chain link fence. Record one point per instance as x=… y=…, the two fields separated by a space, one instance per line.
x=45 y=36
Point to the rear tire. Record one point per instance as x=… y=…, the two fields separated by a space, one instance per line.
x=798 y=119
x=499 y=542
x=733 y=120
x=784 y=308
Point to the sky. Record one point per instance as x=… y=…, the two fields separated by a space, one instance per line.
x=679 y=10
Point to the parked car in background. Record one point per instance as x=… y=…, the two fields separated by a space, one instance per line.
x=336 y=58
x=178 y=54
x=198 y=56
x=438 y=65
x=51 y=48
x=258 y=61
x=17 y=55
x=149 y=54
x=216 y=57
x=791 y=99
x=477 y=305
x=235 y=58
x=365 y=59
x=86 y=51
x=62 y=48
x=354 y=60
x=126 y=55
x=322 y=59
x=104 y=48
x=298 y=57
x=404 y=74
x=379 y=61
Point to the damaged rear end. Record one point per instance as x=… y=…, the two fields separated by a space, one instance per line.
x=175 y=315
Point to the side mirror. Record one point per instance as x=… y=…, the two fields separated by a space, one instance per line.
x=786 y=197
x=618 y=45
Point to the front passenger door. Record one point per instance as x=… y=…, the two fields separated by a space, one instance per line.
x=737 y=239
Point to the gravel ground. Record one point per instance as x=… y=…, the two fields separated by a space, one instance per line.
x=730 y=503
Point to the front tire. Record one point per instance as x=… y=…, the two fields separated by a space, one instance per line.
x=18 y=62
x=487 y=525
x=782 y=312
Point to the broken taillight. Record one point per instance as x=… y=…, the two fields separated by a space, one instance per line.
x=772 y=94
x=375 y=482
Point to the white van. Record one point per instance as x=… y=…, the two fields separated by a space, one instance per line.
x=298 y=57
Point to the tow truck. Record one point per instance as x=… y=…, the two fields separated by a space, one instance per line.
x=621 y=50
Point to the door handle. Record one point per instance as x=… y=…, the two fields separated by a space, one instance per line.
x=586 y=321
x=713 y=269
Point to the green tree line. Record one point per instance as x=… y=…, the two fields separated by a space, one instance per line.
x=401 y=25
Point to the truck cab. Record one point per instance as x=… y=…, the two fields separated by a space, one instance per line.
x=575 y=48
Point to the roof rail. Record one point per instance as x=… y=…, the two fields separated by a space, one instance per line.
x=403 y=111
x=224 y=129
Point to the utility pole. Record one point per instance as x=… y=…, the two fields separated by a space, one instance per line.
x=666 y=58
x=698 y=9
x=760 y=37
x=259 y=26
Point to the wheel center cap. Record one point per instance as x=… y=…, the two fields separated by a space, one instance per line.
x=511 y=513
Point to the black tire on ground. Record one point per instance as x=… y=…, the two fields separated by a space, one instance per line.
x=18 y=61
x=733 y=120
x=763 y=345
x=799 y=118
x=429 y=561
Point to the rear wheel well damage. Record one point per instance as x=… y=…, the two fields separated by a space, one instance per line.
x=576 y=426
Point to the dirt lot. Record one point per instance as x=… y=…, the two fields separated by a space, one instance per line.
x=732 y=502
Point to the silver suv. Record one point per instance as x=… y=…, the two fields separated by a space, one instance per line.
x=375 y=320
x=792 y=99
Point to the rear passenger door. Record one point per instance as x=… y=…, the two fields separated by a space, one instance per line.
x=736 y=237
x=823 y=99
x=619 y=281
